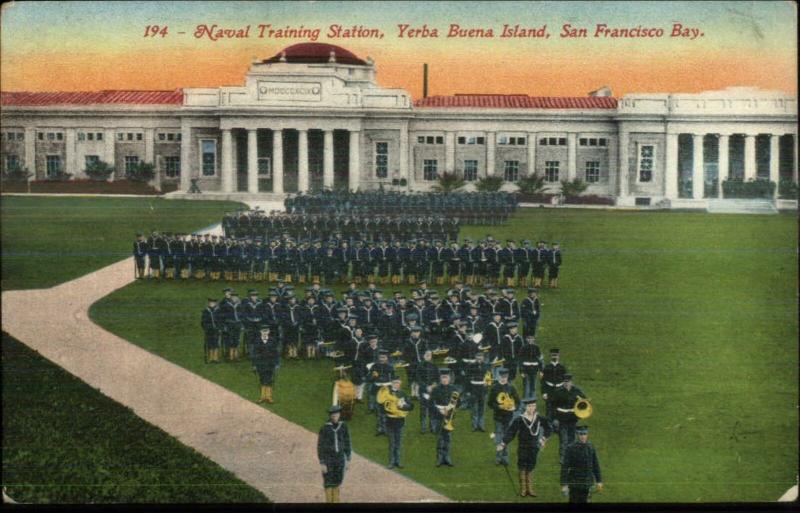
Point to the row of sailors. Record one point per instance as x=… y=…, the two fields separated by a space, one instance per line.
x=210 y=256
x=257 y=223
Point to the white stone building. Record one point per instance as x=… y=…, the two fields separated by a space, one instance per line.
x=314 y=116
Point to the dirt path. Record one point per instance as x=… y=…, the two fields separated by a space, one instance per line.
x=263 y=449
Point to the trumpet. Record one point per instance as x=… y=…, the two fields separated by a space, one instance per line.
x=583 y=408
x=451 y=412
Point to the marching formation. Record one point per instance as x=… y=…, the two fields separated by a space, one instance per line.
x=338 y=259
x=257 y=224
x=471 y=207
x=459 y=352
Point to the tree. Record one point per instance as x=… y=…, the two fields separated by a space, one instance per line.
x=99 y=170
x=573 y=188
x=141 y=172
x=489 y=184
x=532 y=184
x=16 y=174
x=448 y=182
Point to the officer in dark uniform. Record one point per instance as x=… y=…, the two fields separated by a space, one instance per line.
x=552 y=380
x=580 y=468
x=564 y=402
x=333 y=450
x=266 y=353
x=531 y=364
x=211 y=323
x=503 y=400
x=538 y=258
x=290 y=324
x=308 y=327
x=444 y=400
x=476 y=373
x=530 y=311
x=533 y=432
x=139 y=254
x=553 y=265
x=231 y=312
x=510 y=348
x=427 y=377
x=380 y=375
x=251 y=319
x=522 y=257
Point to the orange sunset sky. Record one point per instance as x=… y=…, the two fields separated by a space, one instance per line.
x=71 y=46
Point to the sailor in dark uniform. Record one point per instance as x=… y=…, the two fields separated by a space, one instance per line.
x=212 y=328
x=580 y=468
x=139 y=254
x=553 y=265
x=334 y=450
x=532 y=431
x=552 y=380
x=530 y=311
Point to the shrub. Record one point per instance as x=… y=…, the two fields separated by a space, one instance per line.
x=573 y=188
x=591 y=199
x=750 y=189
x=532 y=184
x=448 y=182
x=99 y=170
x=61 y=176
x=787 y=189
x=141 y=172
x=489 y=184
x=16 y=174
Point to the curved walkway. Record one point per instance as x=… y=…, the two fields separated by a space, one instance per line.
x=266 y=451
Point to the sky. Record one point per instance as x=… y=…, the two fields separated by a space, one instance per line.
x=87 y=46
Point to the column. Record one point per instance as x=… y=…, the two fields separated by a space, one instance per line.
x=531 y=153
x=698 y=185
x=671 y=167
x=491 y=138
x=572 y=156
x=449 y=152
x=774 y=162
x=623 y=164
x=227 y=161
x=149 y=152
x=354 y=171
x=252 y=161
x=186 y=157
x=749 y=157
x=277 y=161
x=302 y=161
x=70 y=165
x=404 y=171
x=30 y=152
x=795 y=147
x=327 y=160
x=723 y=163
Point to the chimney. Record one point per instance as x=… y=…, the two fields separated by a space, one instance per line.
x=425 y=80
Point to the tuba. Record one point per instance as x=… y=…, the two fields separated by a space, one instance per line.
x=583 y=408
x=451 y=413
x=506 y=402
x=391 y=403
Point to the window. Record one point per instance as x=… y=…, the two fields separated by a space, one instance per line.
x=12 y=162
x=470 y=140
x=264 y=167
x=510 y=141
x=178 y=137
x=511 y=170
x=53 y=165
x=139 y=136
x=170 y=137
x=91 y=159
x=208 y=147
x=131 y=161
x=129 y=136
x=59 y=136
x=439 y=139
x=592 y=171
x=40 y=135
x=551 y=170
x=592 y=141
x=381 y=159
x=120 y=136
x=172 y=167
x=51 y=136
x=462 y=140
x=90 y=136
x=553 y=141
x=470 y=170
x=430 y=139
x=646 y=154
x=421 y=139
x=81 y=136
x=99 y=136
x=430 y=169
x=162 y=137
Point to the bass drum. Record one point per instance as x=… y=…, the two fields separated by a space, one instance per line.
x=344 y=394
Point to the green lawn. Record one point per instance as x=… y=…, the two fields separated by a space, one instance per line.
x=681 y=327
x=65 y=442
x=47 y=241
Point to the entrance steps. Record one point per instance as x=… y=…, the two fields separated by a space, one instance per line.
x=741 y=206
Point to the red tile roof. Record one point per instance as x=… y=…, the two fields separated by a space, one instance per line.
x=517 y=101
x=318 y=53
x=174 y=97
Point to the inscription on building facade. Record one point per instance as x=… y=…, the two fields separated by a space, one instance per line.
x=289 y=91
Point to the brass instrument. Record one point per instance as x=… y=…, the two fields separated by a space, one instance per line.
x=583 y=408
x=488 y=379
x=391 y=403
x=497 y=362
x=451 y=412
x=344 y=392
x=401 y=364
x=450 y=360
x=506 y=402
